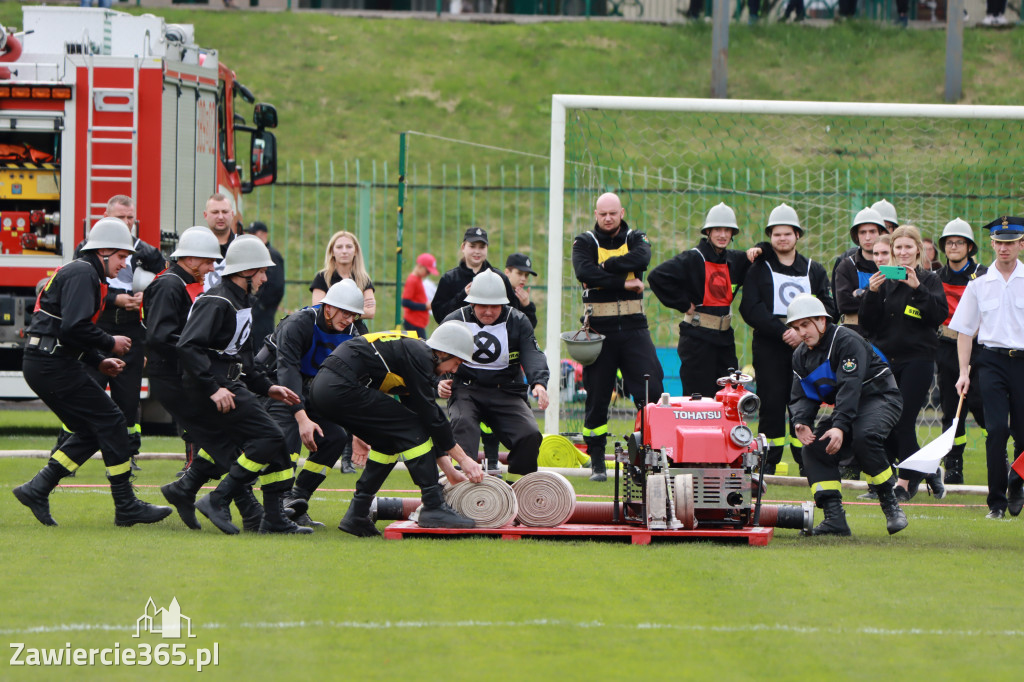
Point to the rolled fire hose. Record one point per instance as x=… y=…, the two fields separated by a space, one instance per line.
x=546 y=499
x=558 y=451
x=491 y=503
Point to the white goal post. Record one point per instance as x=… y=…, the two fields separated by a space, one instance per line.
x=932 y=161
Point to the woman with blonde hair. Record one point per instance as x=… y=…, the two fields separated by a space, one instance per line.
x=343 y=259
x=901 y=316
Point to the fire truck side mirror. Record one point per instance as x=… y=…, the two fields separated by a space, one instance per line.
x=262 y=160
x=264 y=115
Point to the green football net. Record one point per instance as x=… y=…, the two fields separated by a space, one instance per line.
x=670 y=160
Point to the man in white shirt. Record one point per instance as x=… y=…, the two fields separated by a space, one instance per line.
x=992 y=308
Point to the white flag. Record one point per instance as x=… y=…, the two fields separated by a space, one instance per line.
x=926 y=460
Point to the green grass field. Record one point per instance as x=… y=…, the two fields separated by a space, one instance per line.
x=935 y=599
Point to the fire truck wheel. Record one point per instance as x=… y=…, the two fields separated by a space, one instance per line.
x=683 y=485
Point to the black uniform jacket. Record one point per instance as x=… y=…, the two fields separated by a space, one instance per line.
x=146 y=257
x=451 y=292
x=209 y=331
x=680 y=281
x=523 y=351
x=397 y=365
x=902 y=321
x=292 y=339
x=603 y=263
x=165 y=306
x=758 y=304
x=858 y=370
x=270 y=294
x=847 y=283
x=66 y=308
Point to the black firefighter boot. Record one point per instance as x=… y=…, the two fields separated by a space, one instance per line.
x=595 y=448
x=357 y=519
x=437 y=514
x=934 y=483
x=895 y=519
x=36 y=493
x=831 y=502
x=346 y=459
x=250 y=509
x=296 y=505
x=954 y=468
x=182 y=495
x=214 y=505
x=128 y=509
x=274 y=520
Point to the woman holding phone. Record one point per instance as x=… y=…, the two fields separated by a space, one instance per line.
x=901 y=310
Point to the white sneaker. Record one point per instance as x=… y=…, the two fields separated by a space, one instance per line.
x=989 y=20
x=999 y=20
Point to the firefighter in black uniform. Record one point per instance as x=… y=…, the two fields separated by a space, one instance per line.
x=957 y=242
x=292 y=357
x=62 y=340
x=165 y=309
x=354 y=388
x=850 y=276
x=609 y=262
x=120 y=317
x=775 y=279
x=490 y=387
x=454 y=284
x=216 y=353
x=836 y=366
x=702 y=283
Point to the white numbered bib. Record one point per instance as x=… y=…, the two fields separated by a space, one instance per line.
x=787 y=287
x=491 y=352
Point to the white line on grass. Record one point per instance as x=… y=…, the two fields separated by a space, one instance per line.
x=543 y=623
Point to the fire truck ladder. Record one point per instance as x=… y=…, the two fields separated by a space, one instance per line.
x=107 y=100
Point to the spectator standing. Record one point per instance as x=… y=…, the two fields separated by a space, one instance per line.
x=454 y=284
x=268 y=298
x=957 y=242
x=931 y=258
x=991 y=309
x=415 y=304
x=851 y=274
x=995 y=14
x=219 y=215
x=902 y=317
x=701 y=283
x=777 y=277
x=609 y=261
x=343 y=259
x=518 y=268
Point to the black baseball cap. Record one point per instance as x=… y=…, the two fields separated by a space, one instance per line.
x=520 y=261
x=476 y=234
x=256 y=226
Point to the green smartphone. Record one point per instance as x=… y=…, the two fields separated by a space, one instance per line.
x=893 y=271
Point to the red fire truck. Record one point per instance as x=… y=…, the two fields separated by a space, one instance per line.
x=93 y=103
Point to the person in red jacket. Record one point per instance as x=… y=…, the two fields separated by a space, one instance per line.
x=415 y=304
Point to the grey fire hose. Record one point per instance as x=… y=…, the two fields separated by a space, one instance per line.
x=491 y=503
x=546 y=499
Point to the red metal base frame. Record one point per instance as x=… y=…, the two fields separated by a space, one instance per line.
x=757 y=536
